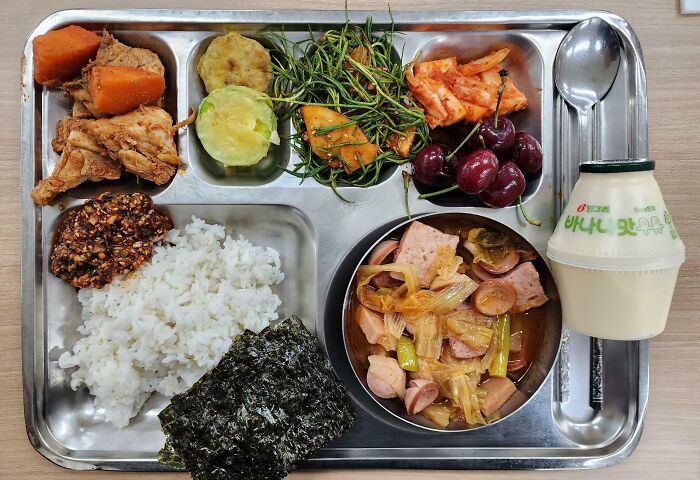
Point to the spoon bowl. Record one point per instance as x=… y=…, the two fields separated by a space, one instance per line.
x=586 y=63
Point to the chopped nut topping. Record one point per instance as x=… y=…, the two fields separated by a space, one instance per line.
x=110 y=235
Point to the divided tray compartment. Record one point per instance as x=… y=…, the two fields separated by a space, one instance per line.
x=525 y=64
x=71 y=418
x=208 y=169
x=56 y=104
x=321 y=240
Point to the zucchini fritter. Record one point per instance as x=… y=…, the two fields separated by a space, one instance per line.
x=233 y=59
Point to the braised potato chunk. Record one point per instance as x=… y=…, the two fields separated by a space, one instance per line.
x=332 y=139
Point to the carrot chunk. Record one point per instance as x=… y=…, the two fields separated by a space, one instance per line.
x=60 y=54
x=121 y=89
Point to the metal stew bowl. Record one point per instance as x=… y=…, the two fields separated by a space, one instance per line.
x=357 y=346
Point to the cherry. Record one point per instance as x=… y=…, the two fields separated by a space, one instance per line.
x=527 y=153
x=508 y=186
x=476 y=170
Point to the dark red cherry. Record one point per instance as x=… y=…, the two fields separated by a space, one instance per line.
x=508 y=186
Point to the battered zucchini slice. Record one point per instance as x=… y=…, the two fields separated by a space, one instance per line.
x=233 y=59
x=236 y=125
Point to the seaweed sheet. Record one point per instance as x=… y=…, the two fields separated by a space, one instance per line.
x=272 y=401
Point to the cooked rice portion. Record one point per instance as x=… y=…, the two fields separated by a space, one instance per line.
x=161 y=328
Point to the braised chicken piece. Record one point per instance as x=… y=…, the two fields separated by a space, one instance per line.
x=93 y=144
x=82 y=159
x=141 y=140
x=111 y=53
x=63 y=129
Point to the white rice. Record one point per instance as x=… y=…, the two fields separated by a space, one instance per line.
x=163 y=327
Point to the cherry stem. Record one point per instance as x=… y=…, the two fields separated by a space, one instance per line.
x=504 y=77
x=439 y=192
x=466 y=139
x=406 y=184
x=534 y=222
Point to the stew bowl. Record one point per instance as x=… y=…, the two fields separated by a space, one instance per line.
x=542 y=326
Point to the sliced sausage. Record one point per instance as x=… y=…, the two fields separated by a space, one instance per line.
x=382 y=251
x=504 y=265
x=418 y=248
x=440 y=283
x=471 y=247
x=526 y=282
x=498 y=391
x=385 y=371
x=371 y=323
x=480 y=272
x=461 y=350
x=377 y=257
x=385 y=280
x=379 y=387
x=420 y=394
x=465 y=305
x=494 y=297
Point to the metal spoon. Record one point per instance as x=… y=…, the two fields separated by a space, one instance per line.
x=585 y=68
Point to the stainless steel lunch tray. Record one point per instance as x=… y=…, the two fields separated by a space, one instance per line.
x=321 y=240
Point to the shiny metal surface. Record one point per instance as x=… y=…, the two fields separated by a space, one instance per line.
x=321 y=241
x=585 y=69
x=358 y=349
x=587 y=62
